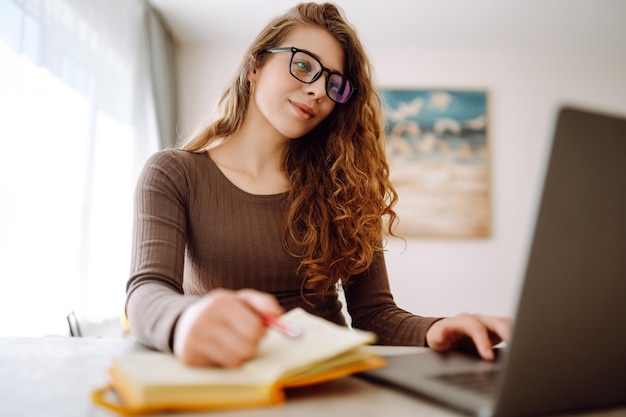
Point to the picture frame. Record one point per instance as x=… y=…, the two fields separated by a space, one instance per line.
x=439 y=157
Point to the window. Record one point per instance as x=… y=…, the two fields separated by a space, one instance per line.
x=74 y=132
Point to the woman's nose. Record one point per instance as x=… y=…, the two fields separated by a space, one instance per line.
x=317 y=88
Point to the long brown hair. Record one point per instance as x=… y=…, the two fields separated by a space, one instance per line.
x=340 y=188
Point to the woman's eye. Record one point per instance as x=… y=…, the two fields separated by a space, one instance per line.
x=303 y=66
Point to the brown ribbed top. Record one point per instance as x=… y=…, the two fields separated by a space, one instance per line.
x=195 y=231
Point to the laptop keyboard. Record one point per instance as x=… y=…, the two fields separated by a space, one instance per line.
x=481 y=381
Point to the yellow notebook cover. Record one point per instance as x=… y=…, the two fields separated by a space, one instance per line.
x=151 y=381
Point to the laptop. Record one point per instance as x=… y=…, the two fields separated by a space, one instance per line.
x=568 y=348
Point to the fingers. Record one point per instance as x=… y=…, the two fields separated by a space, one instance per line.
x=263 y=303
x=466 y=325
x=224 y=328
x=483 y=331
x=499 y=328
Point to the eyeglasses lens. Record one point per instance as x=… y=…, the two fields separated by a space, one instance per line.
x=338 y=88
x=304 y=67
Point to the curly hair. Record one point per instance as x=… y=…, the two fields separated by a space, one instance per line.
x=341 y=198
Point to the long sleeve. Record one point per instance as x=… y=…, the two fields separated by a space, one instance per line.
x=155 y=288
x=372 y=307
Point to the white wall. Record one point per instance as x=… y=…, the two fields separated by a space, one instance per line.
x=526 y=81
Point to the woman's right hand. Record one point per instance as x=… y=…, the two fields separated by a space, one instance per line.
x=224 y=327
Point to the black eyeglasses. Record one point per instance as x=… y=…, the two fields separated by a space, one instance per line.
x=305 y=68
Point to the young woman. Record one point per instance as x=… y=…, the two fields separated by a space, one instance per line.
x=283 y=197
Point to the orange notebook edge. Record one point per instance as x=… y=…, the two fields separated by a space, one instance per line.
x=123 y=406
x=336 y=373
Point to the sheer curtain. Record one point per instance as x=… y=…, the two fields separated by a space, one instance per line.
x=77 y=121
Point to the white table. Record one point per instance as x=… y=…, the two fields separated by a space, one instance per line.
x=54 y=376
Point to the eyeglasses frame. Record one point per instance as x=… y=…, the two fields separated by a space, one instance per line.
x=295 y=50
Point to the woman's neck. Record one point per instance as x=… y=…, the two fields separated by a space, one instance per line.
x=253 y=161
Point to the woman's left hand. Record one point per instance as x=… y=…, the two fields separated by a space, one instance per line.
x=483 y=331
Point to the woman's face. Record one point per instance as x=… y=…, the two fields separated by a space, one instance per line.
x=283 y=103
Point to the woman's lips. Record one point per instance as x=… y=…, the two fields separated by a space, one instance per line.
x=304 y=111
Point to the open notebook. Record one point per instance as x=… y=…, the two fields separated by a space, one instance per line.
x=151 y=381
x=568 y=350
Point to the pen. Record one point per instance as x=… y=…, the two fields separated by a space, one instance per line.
x=289 y=330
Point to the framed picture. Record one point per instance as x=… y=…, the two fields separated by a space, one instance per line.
x=439 y=160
